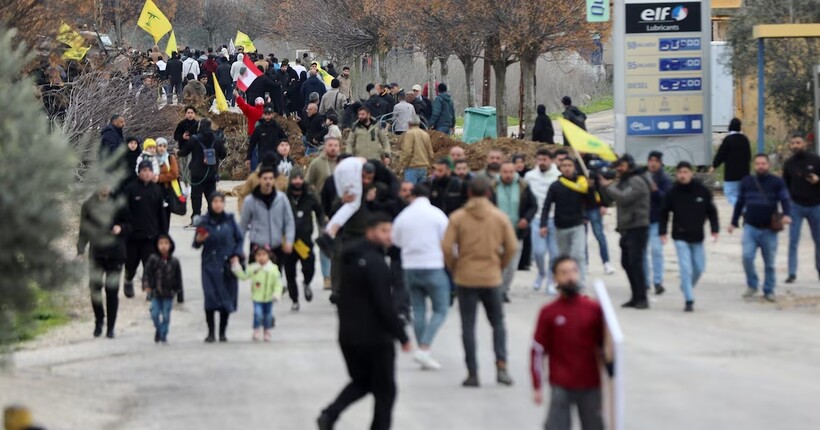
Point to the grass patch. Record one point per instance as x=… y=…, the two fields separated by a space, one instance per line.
x=511 y=121
x=47 y=315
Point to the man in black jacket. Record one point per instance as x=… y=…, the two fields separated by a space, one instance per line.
x=174 y=71
x=736 y=153
x=801 y=175
x=568 y=194
x=313 y=128
x=111 y=137
x=223 y=76
x=187 y=127
x=313 y=84
x=691 y=204
x=447 y=191
x=204 y=170
x=146 y=210
x=573 y=115
x=543 y=130
x=368 y=327
x=266 y=136
x=104 y=224
x=304 y=205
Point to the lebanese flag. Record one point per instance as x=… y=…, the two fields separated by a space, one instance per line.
x=249 y=75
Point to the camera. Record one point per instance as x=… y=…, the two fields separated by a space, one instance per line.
x=605 y=169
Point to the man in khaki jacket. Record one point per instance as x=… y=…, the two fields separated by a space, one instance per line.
x=367 y=139
x=471 y=247
x=416 y=152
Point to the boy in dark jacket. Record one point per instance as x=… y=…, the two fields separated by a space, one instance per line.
x=162 y=279
x=104 y=224
x=304 y=204
x=691 y=204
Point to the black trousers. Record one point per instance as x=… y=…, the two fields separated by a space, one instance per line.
x=372 y=369
x=308 y=270
x=104 y=274
x=204 y=188
x=136 y=251
x=633 y=247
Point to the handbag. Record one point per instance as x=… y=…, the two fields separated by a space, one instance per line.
x=776 y=223
x=176 y=204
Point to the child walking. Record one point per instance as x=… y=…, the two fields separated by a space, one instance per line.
x=266 y=288
x=162 y=280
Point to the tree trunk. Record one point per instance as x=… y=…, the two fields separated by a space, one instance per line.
x=444 y=64
x=430 y=77
x=528 y=63
x=211 y=38
x=500 y=69
x=469 y=67
x=485 y=82
x=383 y=66
x=118 y=22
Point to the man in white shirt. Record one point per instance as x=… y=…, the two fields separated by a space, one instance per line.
x=191 y=65
x=403 y=112
x=299 y=68
x=539 y=179
x=418 y=232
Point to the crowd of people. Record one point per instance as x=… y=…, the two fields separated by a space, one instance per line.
x=393 y=238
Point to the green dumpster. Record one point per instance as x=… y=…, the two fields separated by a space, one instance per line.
x=479 y=122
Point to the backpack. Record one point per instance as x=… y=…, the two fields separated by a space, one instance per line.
x=208 y=154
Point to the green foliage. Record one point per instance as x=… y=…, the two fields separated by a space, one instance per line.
x=35 y=173
x=788 y=61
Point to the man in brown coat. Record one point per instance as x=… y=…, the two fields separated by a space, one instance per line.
x=416 y=152
x=471 y=247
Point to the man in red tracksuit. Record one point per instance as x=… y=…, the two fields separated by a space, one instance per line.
x=254 y=114
x=570 y=332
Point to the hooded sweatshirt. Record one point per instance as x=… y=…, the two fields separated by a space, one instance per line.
x=193 y=89
x=477 y=263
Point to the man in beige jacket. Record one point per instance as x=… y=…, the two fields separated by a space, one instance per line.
x=478 y=244
x=416 y=152
x=367 y=139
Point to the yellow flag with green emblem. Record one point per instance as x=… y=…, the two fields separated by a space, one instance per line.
x=153 y=21
x=69 y=36
x=585 y=142
x=244 y=41
x=75 y=54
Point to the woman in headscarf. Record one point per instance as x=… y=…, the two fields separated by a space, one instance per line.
x=168 y=172
x=295 y=100
x=218 y=235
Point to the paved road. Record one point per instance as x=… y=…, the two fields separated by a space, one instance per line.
x=731 y=364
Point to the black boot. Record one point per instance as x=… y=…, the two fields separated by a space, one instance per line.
x=690 y=306
x=223 y=325
x=99 y=317
x=325 y=421
x=128 y=289
x=209 y=318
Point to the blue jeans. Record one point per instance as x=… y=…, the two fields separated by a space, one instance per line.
x=325 y=263
x=542 y=245
x=161 y=314
x=692 y=262
x=262 y=315
x=766 y=240
x=596 y=221
x=812 y=215
x=442 y=128
x=254 y=159
x=432 y=283
x=731 y=189
x=654 y=249
x=309 y=147
x=415 y=175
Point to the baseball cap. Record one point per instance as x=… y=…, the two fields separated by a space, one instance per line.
x=268 y=110
x=417 y=87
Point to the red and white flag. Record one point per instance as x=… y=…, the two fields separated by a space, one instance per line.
x=251 y=73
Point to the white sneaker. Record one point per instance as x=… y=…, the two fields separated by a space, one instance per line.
x=551 y=291
x=426 y=361
x=608 y=269
x=539 y=281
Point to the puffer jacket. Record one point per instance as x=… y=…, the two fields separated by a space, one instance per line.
x=631 y=194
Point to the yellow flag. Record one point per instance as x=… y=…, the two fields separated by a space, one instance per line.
x=323 y=74
x=76 y=54
x=153 y=21
x=221 y=101
x=585 y=142
x=68 y=36
x=244 y=41
x=172 y=44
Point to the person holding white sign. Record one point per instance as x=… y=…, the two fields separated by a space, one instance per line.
x=570 y=334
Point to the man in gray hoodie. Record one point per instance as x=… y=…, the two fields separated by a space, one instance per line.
x=268 y=218
x=631 y=194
